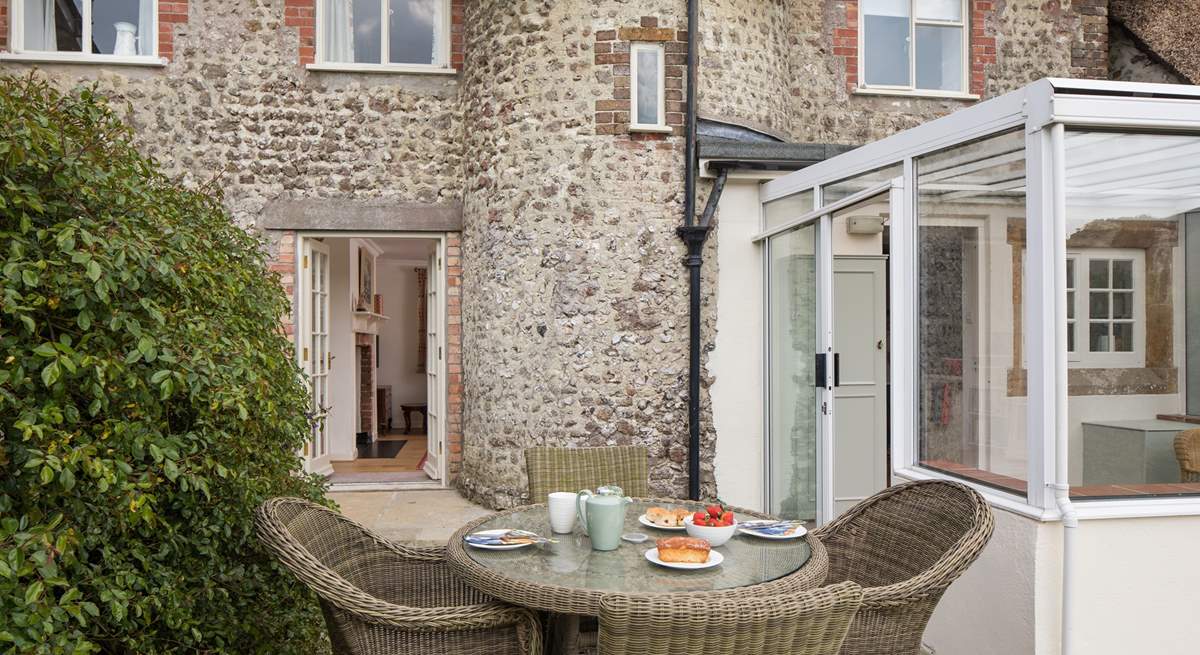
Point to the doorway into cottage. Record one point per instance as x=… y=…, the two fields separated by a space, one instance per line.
x=828 y=280
x=370 y=316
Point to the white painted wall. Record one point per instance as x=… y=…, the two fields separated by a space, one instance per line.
x=343 y=414
x=990 y=610
x=397 y=282
x=736 y=361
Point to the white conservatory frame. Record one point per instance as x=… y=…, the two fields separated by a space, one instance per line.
x=1044 y=109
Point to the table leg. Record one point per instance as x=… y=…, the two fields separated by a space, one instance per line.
x=407 y=421
x=564 y=631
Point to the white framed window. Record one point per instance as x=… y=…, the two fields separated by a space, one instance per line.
x=1106 y=297
x=383 y=36
x=647 y=88
x=100 y=31
x=914 y=46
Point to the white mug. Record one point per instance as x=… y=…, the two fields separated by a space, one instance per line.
x=562 y=511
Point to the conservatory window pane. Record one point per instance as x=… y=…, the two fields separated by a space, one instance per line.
x=778 y=212
x=1133 y=220
x=885 y=42
x=939 y=57
x=848 y=187
x=948 y=10
x=971 y=380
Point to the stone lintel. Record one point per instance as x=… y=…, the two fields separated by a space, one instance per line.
x=367 y=215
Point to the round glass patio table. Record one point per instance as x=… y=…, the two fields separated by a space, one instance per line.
x=569 y=577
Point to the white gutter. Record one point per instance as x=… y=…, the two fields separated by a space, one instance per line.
x=1061 y=483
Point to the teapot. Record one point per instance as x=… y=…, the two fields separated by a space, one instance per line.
x=603 y=515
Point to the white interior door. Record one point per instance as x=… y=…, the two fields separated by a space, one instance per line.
x=860 y=398
x=315 y=356
x=435 y=428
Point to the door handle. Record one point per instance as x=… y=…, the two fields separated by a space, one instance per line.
x=821 y=370
x=837 y=369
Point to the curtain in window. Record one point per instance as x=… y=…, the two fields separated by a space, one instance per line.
x=437 y=32
x=145 y=33
x=339 y=30
x=39 y=25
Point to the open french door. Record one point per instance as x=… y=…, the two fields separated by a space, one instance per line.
x=435 y=428
x=315 y=356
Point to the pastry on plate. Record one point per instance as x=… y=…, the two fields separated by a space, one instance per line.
x=667 y=518
x=688 y=550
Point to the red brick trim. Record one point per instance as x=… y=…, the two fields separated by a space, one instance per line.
x=3 y=25
x=612 y=51
x=170 y=14
x=454 y=363
x=302 y=15
x=982 y=46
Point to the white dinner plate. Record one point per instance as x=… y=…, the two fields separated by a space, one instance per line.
x=800 y=532
x=646 y=522
x=714 y=558
x=490 y=533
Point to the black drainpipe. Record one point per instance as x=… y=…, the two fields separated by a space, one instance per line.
x=694 y=235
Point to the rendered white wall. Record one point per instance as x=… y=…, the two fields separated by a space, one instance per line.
x=736 y=361
x=397 y=282
x=990 y=609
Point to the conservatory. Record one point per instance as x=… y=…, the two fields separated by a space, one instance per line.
x=1040 y=258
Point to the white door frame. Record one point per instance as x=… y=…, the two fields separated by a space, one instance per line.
x=314 y=256
x=823 y=219
x=435 y=364
x=299 y=304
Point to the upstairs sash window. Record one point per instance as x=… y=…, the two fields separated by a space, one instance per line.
x=124 y=28
x=915 y=45
x=384 y=32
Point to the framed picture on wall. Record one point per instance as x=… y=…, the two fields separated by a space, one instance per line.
x=366 y=279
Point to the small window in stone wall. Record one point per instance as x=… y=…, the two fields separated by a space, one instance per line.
x=647 y=92
x=109 y=28
x=383 y=33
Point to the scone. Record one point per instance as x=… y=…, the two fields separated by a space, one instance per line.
x=688 y=550
x=667 y=518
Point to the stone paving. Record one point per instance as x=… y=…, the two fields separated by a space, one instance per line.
x=411 y=517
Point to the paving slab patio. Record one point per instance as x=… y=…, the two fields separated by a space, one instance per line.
x=425 y=517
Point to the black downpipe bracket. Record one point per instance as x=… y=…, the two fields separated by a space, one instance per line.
x=694 y=235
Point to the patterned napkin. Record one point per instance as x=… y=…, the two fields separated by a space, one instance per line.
x=509 y=538
x=772 y=528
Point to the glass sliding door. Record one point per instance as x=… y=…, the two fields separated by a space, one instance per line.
x=794 y=400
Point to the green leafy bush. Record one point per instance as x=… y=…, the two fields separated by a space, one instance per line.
x=147 y=401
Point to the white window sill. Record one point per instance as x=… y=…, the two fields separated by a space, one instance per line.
x=82 y=58
x=411 y=69
x=1114 y=508
x=914 y=93
x=657 y=129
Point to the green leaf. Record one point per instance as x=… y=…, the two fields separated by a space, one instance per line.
x=47 y=475
x=50 y=374
x=33 y=593
x=93 y=270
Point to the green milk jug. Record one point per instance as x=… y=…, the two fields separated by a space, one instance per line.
x=603 y=515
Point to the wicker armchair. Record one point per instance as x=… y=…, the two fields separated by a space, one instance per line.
x=904 y=545
x=1187 y=451
x=810 y=623
x=381 y=597
x=572 y=469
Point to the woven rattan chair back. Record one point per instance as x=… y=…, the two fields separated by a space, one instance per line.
x=905 y=545
x=809 y=623
x=572 y=469
x=1187 y=451
x=382 y=597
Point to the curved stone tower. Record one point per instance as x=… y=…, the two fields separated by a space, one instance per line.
x=574 y=297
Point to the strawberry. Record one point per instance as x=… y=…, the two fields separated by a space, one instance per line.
x=714 y=510
x=699 y=517
x=727 y=518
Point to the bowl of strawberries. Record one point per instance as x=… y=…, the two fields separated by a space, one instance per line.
x=714 y=523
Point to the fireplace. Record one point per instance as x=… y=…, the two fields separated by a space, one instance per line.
x=364 y=350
